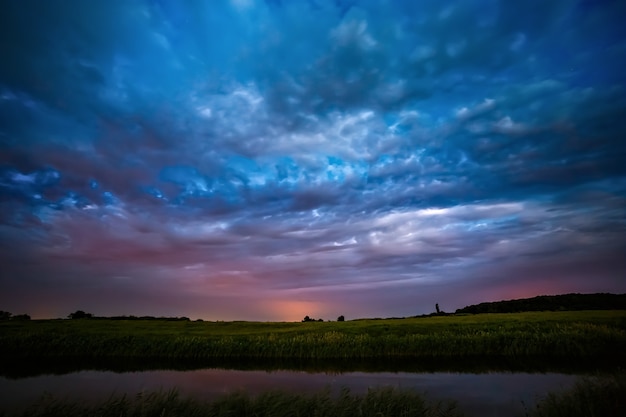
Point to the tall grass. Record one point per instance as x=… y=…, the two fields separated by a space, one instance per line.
x=550 y=334
x=590 y=397
x=376 y=403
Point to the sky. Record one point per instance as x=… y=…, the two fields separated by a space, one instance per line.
x=267 y=160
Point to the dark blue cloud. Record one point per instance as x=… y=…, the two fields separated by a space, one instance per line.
x=246 y=154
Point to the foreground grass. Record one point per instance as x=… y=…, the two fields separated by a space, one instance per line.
x=605 y=397
x=379 y=402
x=580 y=334
x=598 y=397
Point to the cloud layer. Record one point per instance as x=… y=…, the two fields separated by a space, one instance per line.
x=270 y=160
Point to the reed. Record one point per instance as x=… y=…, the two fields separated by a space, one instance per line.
x=379 y=402
x=590 y=397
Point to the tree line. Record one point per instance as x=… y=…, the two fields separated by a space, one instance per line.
x=564 y=302
x=80 y=314
x=5 y=315
x=307 y=319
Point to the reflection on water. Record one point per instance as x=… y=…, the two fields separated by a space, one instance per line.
x=493 y=394
x=27 y=367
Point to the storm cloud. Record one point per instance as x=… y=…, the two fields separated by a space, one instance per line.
x=266 y=160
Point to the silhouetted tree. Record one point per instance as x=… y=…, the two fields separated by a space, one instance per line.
x=80 y=314
x=5 y=315
x=437 y=308
x=307 y=318
x=598 y=301
x=341 y=318
x=21 y=317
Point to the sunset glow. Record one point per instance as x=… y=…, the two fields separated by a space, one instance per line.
x=267 y=160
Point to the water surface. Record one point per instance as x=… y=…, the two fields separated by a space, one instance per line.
x=485 y=394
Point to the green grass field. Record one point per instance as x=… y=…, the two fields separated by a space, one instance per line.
x=580 y=334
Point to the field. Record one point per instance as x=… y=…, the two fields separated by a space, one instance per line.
x=556 y=340
x=568 y=335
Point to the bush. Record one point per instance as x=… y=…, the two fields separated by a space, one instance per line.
x=603 y=396
x=80 y=314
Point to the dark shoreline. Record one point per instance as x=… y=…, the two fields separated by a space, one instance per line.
x=17 y=368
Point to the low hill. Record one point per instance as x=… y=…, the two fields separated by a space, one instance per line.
x=599 y=301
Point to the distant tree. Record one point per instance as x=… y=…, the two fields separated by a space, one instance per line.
x=80 y=314
x=573 y=302
x=341 y=318
x=437 y=308
x=21 y=317
x=5 y=315
x=320 y=319
x=306 y=318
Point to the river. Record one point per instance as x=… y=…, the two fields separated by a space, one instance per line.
x=484 y=394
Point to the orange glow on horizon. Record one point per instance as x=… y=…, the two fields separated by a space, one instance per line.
x=289 y=310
